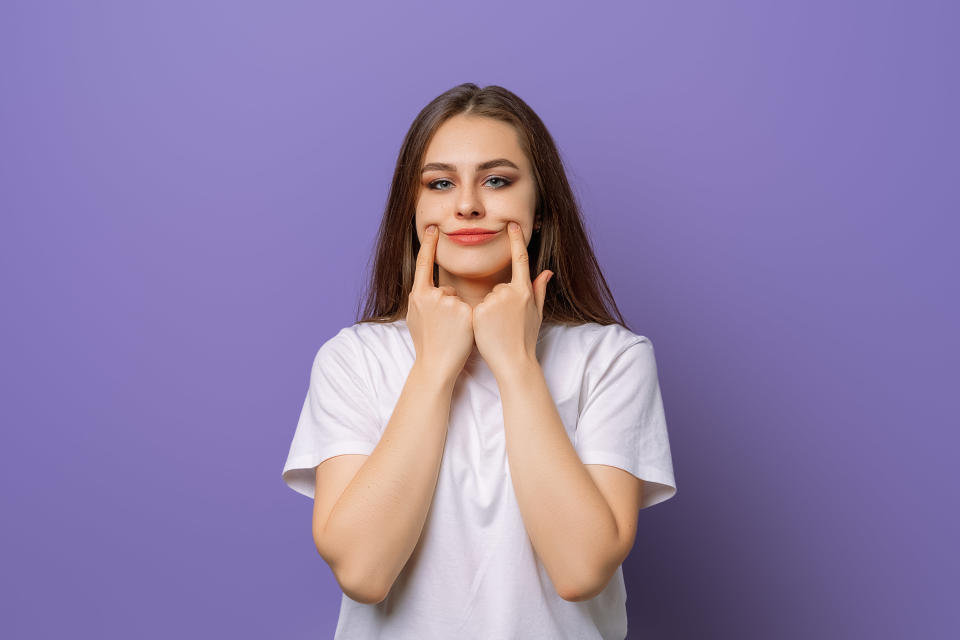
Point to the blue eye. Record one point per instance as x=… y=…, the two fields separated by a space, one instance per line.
x=433 y=185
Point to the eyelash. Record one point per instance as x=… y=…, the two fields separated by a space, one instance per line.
x=507 y=182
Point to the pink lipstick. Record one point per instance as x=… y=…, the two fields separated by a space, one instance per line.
x=472 y=236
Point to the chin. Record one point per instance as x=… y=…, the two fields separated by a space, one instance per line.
x=480 y=274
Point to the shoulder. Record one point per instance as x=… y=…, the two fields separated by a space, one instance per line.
x=364 y=335
x=382 y=340
x=596 y=341
x=592 y=352
x=365 y=344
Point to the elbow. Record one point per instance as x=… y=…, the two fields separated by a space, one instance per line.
x=579 y=594
x=360 y=587
x=586 y=589
x=363 y=593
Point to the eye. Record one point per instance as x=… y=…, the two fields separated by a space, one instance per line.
x=434 y=184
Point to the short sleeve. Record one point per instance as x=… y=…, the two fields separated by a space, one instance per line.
x=338 y=415
x=622 y=422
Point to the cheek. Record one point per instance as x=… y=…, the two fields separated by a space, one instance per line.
x=421 y=220
x=427 y=217
x=516 y=206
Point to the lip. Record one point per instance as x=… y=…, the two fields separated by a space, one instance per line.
x=470 y=231
x=472 y=236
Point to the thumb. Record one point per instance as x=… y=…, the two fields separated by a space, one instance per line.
x=540 y=289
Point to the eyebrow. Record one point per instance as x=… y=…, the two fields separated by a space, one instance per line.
x=489 y=164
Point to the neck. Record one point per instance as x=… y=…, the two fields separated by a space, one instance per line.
x=473 y=290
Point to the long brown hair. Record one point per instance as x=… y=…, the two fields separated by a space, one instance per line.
x=577 y=293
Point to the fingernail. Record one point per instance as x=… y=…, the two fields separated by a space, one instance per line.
x=431 y=227
x=514 y=226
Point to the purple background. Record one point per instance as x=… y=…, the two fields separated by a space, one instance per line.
x=189 y=197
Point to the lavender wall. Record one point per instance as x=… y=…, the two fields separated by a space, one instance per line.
x=189 y=196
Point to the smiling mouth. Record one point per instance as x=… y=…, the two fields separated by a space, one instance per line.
x=472 y=238
x=472 y=232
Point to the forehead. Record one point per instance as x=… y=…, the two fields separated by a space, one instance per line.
x=469 y=140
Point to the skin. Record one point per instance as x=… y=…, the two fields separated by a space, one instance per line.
x=581 y=518
x=463 y=196
x=467 y=198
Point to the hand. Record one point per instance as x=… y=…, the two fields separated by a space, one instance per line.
x=506 y=324
x=440 y=323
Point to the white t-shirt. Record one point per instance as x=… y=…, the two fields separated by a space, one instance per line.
x=474 y=572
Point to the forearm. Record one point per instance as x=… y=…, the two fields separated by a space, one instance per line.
x=377 y=521
x=570 y=525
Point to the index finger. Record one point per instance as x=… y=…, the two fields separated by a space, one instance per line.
x=521 y=261
x=423 y=277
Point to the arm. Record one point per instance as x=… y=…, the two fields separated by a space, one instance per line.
x=571 y=526
x=375 y=524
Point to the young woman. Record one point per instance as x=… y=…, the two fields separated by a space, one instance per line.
x=478 y=446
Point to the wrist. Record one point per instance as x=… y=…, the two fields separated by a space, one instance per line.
x=518 y=370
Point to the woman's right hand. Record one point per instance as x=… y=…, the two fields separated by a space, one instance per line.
x=440 y=323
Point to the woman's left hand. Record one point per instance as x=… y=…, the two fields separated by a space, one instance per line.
x=506 y=324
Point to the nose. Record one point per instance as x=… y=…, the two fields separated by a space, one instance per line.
x=469 y=206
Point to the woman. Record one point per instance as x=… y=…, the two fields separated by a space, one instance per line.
x=479 y=444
